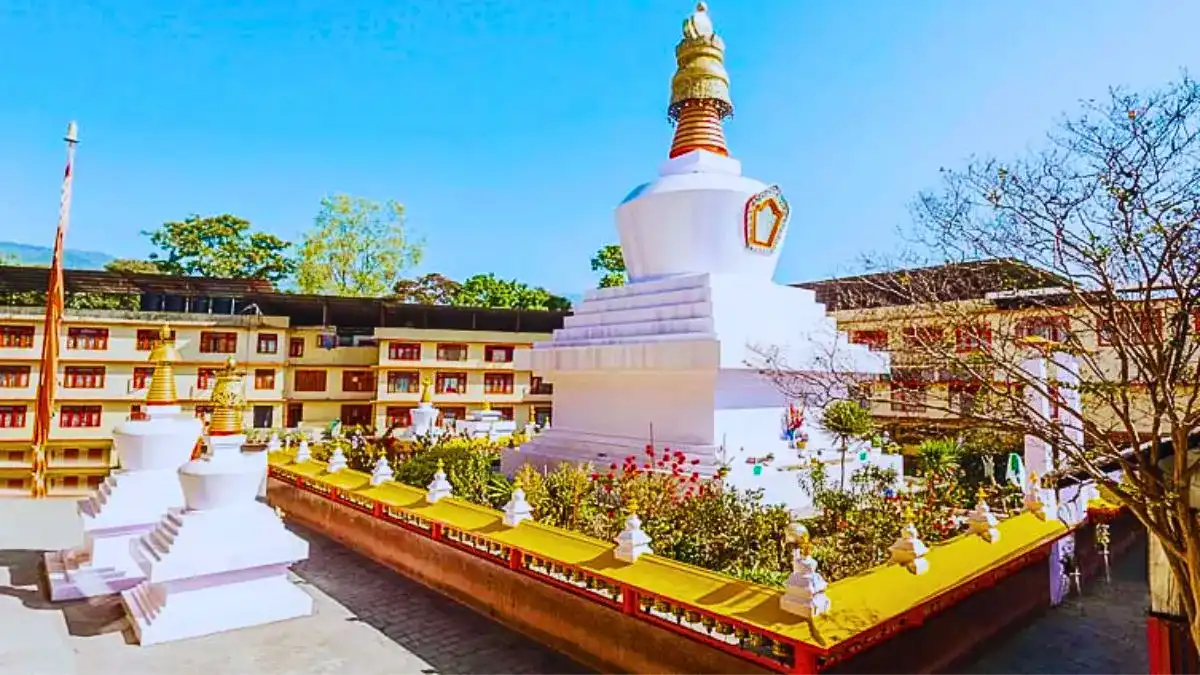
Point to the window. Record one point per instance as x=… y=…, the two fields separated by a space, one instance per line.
x=147 y=338
x=358 y=380
x=539 y=387
x=541 y=416
x=296 y=347
x=1135 y=327
x=875 y=340
x=908 y=397
x=70 y=454
x=94 y=482
x=293 y=415
x=264 y=378
x=263 y=416
x=964 y=397
x=218 y=343
x=403 y=382
x=404 y=351
x=506 y=412
x=357 y=415
x=399 y=416
x=451 y=352
x=83 y=377
x=497 y=383
x=972 y=338
x=450 y=414
x=12 y=416
x=136 y=413
x=268 y=343
x=87 y=338
x=16 y=337
x=1053 y=328
x=923 y=336
x=78 y=416
x=310 y=380
x=95 y=454
x=70 y=482
x=205 y=377
x=15 y=484
x=451 y=383
x=203 y=411
x=141 y=377
x=14 y=377
x=498 y=354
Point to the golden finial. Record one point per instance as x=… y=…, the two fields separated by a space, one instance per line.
x=441 y=467
x=1033 y=480
x=632 y=506
x=908 y=516
x=227 y=401
x=426 y=385
x=487 y=405
x=981 y=495
x=804 y=544
x=518 y=484
x=162 y=382
x=700 y=88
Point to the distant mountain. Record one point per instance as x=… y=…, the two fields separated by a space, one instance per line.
x=41 y=255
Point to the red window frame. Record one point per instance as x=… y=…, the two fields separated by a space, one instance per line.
x=917 y=336
x=506 y=412
x=498 y=353
x=539 y=387
x=142 y=376
x=310 y=380
x=205 y=377
x=264 y=379
x=218 y=342
x=404 y=351
x=358 y=381
x=1055 y=328
x=14 y=377
x=441 y=383
x=83 y=377
x=445 y=350
x=1151 y=326
x=973 y=338
x=875 y=340
x=12 y=416
x=80 y=416
x=267 y=343
x=147 y=338
x=16 y=337
x=498 y=383
x=296 y=347
x=87 y=338
x=410 y=379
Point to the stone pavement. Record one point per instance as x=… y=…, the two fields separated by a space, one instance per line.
x=1101 y=631
x=368 y=620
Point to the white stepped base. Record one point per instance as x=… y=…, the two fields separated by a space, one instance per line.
x=71 y=574
x=556 y=445
x=168 y=612
x=212 y=571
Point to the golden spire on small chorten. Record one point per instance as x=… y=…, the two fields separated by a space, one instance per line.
x=426 y=386
x=700 y=89
x=162 y=383
x=227 y=401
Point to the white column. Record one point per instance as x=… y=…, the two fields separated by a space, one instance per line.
x=1038 y=454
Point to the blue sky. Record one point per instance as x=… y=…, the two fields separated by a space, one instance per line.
x=511 y=129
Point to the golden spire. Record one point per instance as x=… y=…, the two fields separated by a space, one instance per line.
x=162 y=383
x=487 y=405
x=426 y=384
x=700 y=89
x=981 y=495
x=227 y=401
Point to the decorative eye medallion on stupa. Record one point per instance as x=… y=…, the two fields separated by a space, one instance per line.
x=700 y=100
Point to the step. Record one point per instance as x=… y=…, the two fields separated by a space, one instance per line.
x=642 y=300
x=689 y=310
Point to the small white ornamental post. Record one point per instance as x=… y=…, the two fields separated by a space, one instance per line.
x=632 y=542
x=982 y=521
x=517 y=509
x=909 y=551
x=382 y=471
x=439 y=488
x=804 y=593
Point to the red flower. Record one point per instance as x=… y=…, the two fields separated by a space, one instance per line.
x=649 y=451
x=695 y=478
x=649 y=447
x=595 y=476
x=695 y=461
x=612 y=467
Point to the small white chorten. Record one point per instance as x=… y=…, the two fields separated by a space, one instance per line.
x=382 y=472
x=633 y=541
x=439 y=488
x=424 y=416
x=222 y=562
x=273 y=443
x=517 y=509
x=133 y=499
x=909 y=551
x=337 y=459
x=982 y=521
x=804 y=592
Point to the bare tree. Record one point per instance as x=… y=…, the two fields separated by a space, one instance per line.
x=1104 y=221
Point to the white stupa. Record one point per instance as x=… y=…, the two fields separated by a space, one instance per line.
x=485 y=423
x=424 y=416
x=134 y=498
x=670 y=357
x=221 y=563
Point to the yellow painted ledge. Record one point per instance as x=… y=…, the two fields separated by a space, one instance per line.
x=859 y=603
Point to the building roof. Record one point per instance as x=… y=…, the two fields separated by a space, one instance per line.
x=258 y=296
x=971 y=280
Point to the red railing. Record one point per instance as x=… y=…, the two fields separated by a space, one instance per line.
x=765 y=648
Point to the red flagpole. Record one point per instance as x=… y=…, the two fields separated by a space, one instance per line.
x=55 y=301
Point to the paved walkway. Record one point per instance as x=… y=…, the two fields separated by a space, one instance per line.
x=1101 y=631
x=368 y=620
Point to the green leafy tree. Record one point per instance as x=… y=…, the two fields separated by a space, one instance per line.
x=486 y=290
x=847 y=421
x=428 y=289
x=221 y=247
x=358 y=248
x=611 y=264
x=132 y=266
